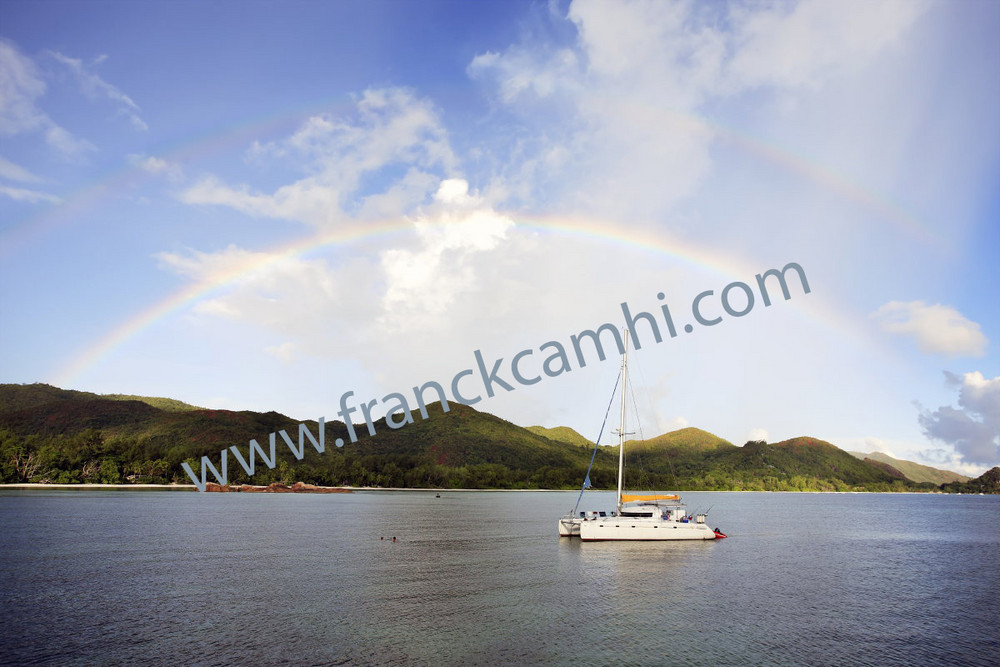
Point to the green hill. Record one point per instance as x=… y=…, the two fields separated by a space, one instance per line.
x=75 y=437
x=914 y=472
x=689 y=438
x=988 y=482
x=811 y=456
x=562 y=434
x=168 y=404
x=885 y=467
x=50 y=434
x=481 y=449
x=23 y=396
x=800 y=464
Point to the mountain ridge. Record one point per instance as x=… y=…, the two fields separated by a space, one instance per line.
x=915 y=472
x=47 y=433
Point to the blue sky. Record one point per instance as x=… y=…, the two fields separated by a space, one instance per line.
x=264 y=206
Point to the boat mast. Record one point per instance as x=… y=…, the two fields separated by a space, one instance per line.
x=621 y=421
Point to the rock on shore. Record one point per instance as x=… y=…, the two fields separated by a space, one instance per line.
x=276 y=487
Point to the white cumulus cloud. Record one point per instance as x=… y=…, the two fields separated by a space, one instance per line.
x=629 y=88
x=937 y=328
x=390 y=127
x=800 y=44
x=453 y=234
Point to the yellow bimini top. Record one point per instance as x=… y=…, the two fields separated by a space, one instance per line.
x=632 y=497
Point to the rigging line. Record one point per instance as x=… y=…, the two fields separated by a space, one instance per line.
x=635 y=411
x=643 y=478
x=635 y=402
x=597 y=443
x=652 y=410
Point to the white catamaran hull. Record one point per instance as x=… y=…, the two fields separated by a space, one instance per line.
x=569 y=527
x=627 y=528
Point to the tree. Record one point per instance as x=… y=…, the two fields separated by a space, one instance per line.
x=109 y=472
x=26 y=464
x=90 y=470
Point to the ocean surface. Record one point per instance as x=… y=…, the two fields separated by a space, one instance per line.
x=146 y=577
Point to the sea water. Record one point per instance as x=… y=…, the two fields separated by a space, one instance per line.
x=125 y=577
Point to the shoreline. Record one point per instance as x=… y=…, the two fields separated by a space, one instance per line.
x=35 y=486
x=91 y=486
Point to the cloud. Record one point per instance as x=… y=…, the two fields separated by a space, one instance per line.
x=629 y=86
x=519 y=72
x=65 y=143
x=230 y=264
x=390 y=127
x=877 y=445
x=30 y=196
x=21 y=85
x=15 y=172
x=412 y=286
x=95 y=88
x=789 y=45
x=937 y=329
x=453 y=233
x=974 y=427
x=603 y=120
x=157 y=166
x=414 y=306
x=285 y=352
x=294 y=297
x=309 y=200
x=943 y=458
x=757 y=434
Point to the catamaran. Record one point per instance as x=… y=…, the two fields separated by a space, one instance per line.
x=637 y=516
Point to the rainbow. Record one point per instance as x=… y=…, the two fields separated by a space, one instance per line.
x=120 y=179
x=181 y=299
x=833 y=182
x=253 y=127
x=687 y=253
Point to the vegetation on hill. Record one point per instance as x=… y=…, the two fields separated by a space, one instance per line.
x=23 y=396
x=686 y=438
x=60 y=436
x=562 y=434
x=706 y=462
x=988 y=482
x=914 y=471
